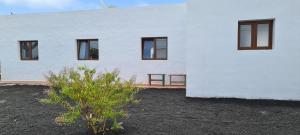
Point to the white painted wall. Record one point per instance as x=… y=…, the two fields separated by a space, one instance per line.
x=217 y=69
x=207 y=28
x=119 y=32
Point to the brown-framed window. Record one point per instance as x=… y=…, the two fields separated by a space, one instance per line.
x=29 y=50
x=87 y=49
x=155 y=48
x=255 y=35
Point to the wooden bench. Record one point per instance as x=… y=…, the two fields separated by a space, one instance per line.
x=177 y=83
x=162 y=80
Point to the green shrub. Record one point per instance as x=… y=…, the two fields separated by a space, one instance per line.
x=100 y=100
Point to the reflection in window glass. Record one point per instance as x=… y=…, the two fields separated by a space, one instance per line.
x=154 y=48
x=263 y=35
x=148 y=49
x=35 y=52
x=245 y=35
x=29 y=50
x=88 y=50
x=94 y=51
x=161 y=48
x=255 y=35
x=25 y=51
x=83 y=50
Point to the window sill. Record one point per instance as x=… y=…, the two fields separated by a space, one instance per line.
x=29 y=60
x=88 y=60
x=155 y=59
x=259 y=48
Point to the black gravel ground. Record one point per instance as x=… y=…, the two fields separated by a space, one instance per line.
x=161 y=112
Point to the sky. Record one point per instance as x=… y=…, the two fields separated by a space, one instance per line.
x=33 y=6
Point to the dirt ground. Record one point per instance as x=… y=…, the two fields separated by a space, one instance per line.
x=161 y=112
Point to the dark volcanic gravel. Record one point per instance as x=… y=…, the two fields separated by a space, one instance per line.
x=161 y=112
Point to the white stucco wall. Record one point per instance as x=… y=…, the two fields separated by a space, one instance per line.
x=119 y=32
x=202 y=41
x=217 y=69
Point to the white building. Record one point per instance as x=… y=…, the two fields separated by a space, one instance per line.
x=240 y=49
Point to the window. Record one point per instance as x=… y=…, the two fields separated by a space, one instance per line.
x=155 y=48
x=88 y=49
x=29 y=50
x=255 y=35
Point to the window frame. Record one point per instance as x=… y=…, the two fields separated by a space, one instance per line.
x=253 y=24
x=155 y=51
x=30 y=50
x=89 y=47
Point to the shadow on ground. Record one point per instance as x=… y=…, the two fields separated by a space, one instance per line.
x=161 y=112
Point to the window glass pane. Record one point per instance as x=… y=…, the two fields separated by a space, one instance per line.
x=94 y=51
x=161 y=53
x=148 y=49
x=262 y=35
x=161 y=48
x=245 y=35
x=25 y=52
x=83 y=50
x=35 y=53
x=161 y=43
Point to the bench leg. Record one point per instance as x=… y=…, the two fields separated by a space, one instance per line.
x=163 y=81
x=149 y=76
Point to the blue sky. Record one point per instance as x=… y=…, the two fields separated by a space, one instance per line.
x=31 y=6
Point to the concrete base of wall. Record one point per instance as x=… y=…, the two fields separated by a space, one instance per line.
x=11 y=83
